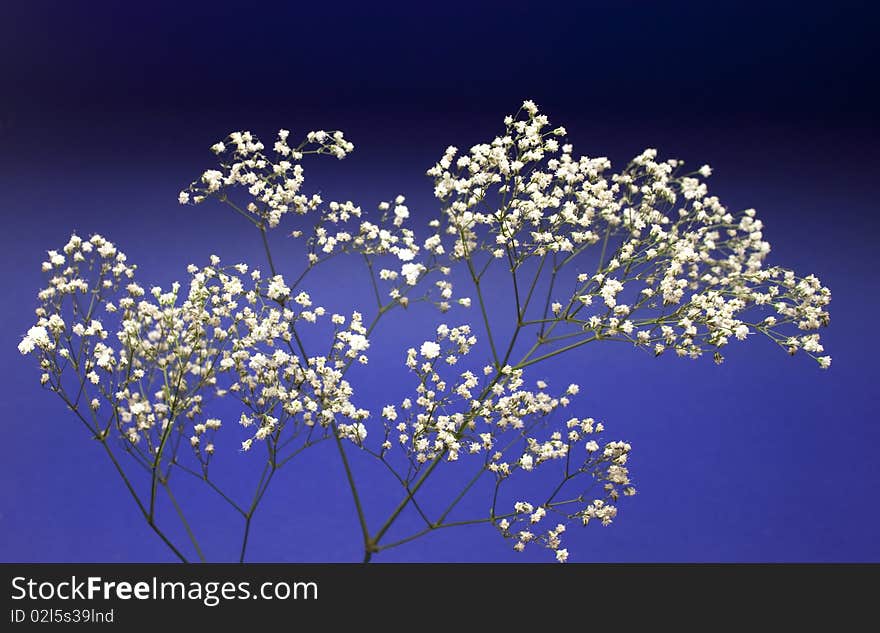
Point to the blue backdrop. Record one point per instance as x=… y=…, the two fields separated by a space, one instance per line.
x=108 y=109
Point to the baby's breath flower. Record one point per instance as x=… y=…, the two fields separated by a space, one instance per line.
x=430 y=350
x=673 y=271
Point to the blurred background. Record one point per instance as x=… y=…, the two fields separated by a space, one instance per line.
x=108 y=109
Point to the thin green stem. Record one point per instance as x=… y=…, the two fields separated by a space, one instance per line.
x=266 y=248
x=426 y=530
x=186 y=526
x=244 y=540
x=405 y=501
x=262 y=486
x=211 y=484
x=525 y=362
x=461 y=494
x=483 y=311
x=373 y=281
x=238 y=210
x=102 y=438
x=150 y=521
x=362 y=520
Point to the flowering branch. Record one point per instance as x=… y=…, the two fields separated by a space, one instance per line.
x=676 y=271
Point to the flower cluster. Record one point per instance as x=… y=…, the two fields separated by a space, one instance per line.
x=230 y=333
x=677 y=270
x=395 y=255
x=645 y=255
x=508 y=428
x=274 y=182
x=274 y=189
x=573 y=500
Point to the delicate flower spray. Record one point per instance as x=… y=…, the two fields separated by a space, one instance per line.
x=645 y=256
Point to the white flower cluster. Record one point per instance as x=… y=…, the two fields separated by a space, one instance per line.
x=677 y=269
x=606 y=466
x=230 y=333
x=500 y=421
x=396 y=256
x=274 y=183
x=672 y=269
x=274 y=189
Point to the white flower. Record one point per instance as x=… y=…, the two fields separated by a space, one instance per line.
x=538 y=514
x=430 y=350
x=411 y=272
x=358 y=342
x=562 y=555
x=26 y=346
x=522 y=507
x=213 y=180
x=277 y=289
x=37 y=336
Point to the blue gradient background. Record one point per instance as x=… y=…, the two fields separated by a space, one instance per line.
x=107 y=110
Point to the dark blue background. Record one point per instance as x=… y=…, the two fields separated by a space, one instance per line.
x=107 y=110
